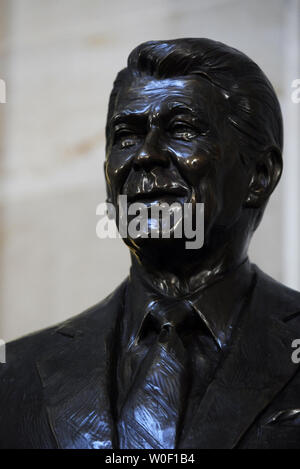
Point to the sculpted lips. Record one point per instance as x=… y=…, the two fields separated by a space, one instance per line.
x=157 y=193
x=150 y=185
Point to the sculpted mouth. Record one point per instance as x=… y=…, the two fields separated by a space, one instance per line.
x=157 y=194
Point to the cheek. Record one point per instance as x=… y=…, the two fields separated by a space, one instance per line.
x=117 y=168
x=235 y=190
x=234 y=193
x=196 y=160
x=209 y=191
x=200 y=166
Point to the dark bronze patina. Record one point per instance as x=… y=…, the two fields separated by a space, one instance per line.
x=193 y=350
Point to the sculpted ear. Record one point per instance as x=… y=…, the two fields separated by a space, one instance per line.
x=266 y=175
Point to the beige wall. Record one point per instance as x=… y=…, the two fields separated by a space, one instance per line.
x=59 y=59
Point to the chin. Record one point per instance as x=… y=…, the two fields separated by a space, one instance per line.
x=158 y=247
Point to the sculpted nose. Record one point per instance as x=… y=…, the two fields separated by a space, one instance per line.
x=151 y=154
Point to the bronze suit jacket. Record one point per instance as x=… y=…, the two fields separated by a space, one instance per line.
x=56 y=389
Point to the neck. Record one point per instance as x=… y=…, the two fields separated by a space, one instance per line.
x=178 y=273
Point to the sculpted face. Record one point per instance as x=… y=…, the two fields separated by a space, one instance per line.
x=170 y=141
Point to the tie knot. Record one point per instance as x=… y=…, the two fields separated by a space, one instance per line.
x=170 y=314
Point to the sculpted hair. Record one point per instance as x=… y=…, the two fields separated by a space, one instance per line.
x=253 y=108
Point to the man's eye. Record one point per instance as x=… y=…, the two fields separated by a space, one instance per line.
x=183 y=131
x=126 y=138
x=128 y=142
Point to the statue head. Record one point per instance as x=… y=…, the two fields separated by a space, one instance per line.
x=194 y=120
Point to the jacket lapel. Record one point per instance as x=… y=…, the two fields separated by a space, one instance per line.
x=256 y=368
x=78 y=379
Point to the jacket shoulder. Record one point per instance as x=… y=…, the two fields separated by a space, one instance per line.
x=22 y=353
x=277 y=295
x=21 y=390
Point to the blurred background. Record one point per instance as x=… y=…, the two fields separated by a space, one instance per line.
x=59 y=59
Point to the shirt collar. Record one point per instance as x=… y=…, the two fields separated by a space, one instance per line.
x=218 y=304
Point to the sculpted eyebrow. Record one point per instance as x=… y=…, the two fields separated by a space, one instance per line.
x=182 y=109
x=179 y=107
x=125 y=118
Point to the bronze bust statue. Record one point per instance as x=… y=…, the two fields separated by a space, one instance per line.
x=194 y=348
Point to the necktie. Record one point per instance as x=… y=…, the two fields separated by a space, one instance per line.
x=151 y=413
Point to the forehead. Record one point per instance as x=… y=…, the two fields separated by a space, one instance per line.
x=149 y=94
